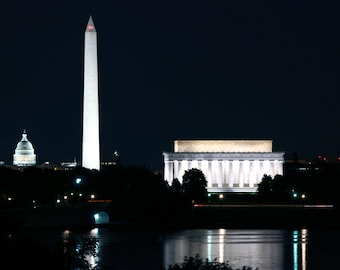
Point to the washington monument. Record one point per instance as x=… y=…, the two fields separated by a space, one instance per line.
x=91 y=149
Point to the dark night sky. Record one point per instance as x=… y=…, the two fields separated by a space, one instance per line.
x=172 y=70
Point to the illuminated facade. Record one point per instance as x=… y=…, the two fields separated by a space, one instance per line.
x=228 y=165
x=24 y=152
x=91 y=150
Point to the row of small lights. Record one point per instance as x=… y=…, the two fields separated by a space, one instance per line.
x=66 y=197
x=295 y=195
x=220 y=196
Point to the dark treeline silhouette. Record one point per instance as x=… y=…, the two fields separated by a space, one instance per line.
x=139 y=193
x=21 y=187
x=45 y=185
x=318 y=181
x=313 y=182
x=134 y=192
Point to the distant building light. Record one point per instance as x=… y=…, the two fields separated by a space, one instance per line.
x=65 y=197
x=69 y=164
x=221 y=196
x=92 y=196
x=58 y=200
x=108 y=163
x=10 y=198
x=80 y=194
x=303 y=196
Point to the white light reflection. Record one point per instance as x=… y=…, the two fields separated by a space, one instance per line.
x=213 y=244
x=94 y=232
x=221 y=232
x=93 y=260
x=66 y=236
x=300 y=255
x=209 y=243
x=295 y=250
x=304 y=248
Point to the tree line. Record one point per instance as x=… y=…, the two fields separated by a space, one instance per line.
x=131 y=187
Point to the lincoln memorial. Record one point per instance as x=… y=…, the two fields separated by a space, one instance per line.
x=228 y=165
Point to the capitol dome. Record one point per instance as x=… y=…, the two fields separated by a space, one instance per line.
x=24 y=152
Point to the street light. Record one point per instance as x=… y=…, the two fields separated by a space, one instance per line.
x=78 y=181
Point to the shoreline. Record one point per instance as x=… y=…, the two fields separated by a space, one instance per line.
x=248 y=216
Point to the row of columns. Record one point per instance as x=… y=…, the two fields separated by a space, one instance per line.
x=225 y=173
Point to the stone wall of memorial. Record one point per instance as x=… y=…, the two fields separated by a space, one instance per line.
x=223 y=146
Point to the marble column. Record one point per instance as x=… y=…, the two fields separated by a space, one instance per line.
x=176 y=171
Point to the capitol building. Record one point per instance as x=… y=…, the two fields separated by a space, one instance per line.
x=24 y=152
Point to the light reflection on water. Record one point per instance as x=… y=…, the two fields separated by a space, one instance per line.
x=92 y=259
x=255 y=248
x=299 y=249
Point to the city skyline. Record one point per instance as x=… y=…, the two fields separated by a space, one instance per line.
x=171 y=71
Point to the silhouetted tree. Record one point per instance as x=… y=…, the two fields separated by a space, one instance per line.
x=194 y=185
x=275 y=189
x=74 y=253
x=197 y=263
x=176 y=186
x=67 y=254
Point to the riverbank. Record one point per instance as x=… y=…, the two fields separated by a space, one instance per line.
x=46 y=217
x=241 y=216
x=265 y=216
x=248 y=216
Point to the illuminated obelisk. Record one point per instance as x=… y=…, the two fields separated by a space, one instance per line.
x=91 y=149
